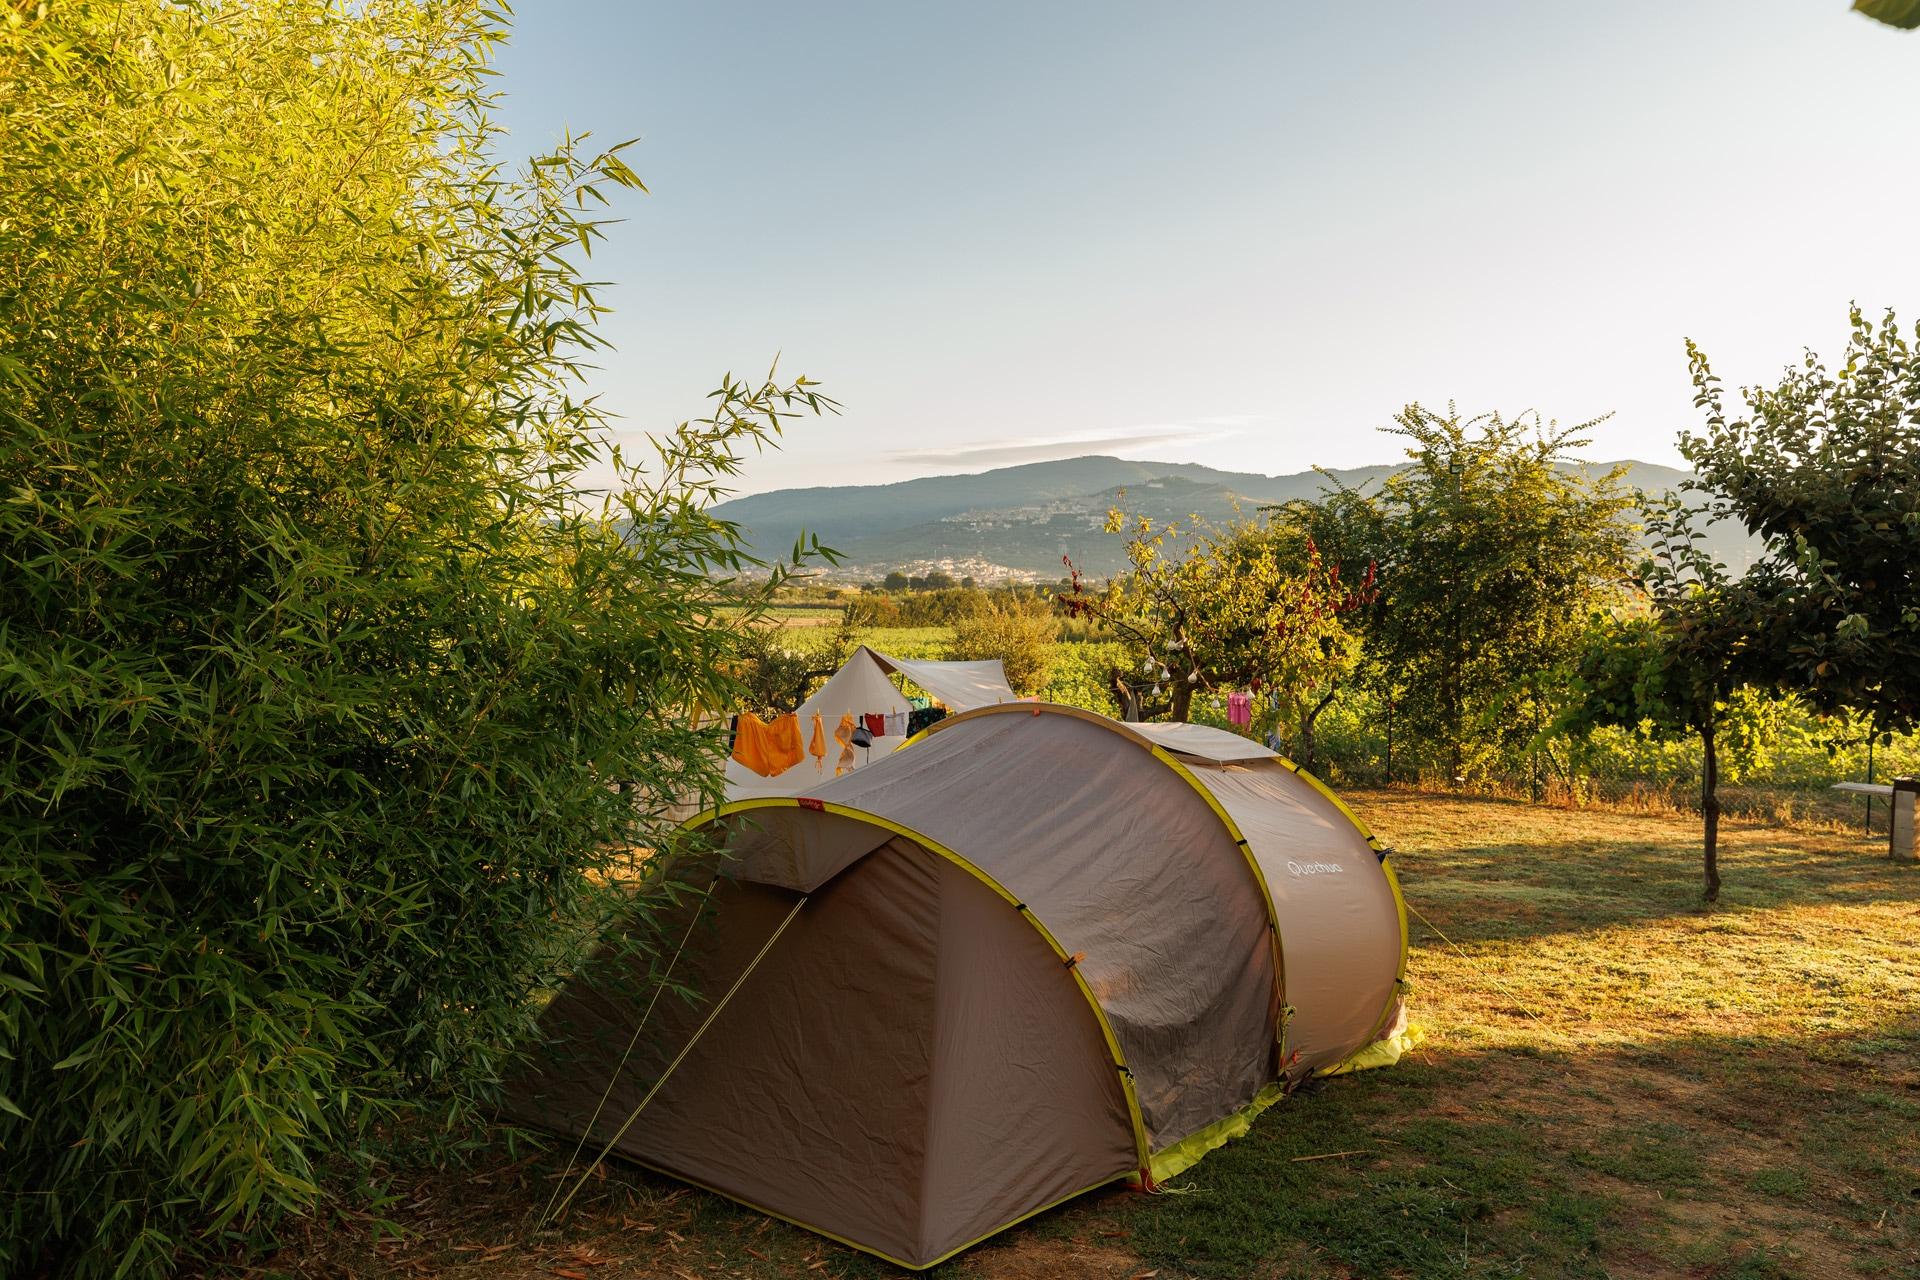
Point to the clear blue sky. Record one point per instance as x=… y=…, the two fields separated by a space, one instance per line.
x=1236 y=233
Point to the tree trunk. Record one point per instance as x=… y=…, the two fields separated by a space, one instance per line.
x=1391 y=707
x=1305 y=743
x=1456 y=715
x=1182 y=699
x=1710 y=807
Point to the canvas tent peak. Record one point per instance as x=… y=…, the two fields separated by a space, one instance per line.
x=1048 y=952
x=861 y=685
x=858 y=685
x=958 y=686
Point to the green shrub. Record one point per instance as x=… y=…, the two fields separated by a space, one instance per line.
x=317 y=656
x=873 y=609
x=778 y=675
x=936 y=608
x=1019 y=632
x=1079 y=674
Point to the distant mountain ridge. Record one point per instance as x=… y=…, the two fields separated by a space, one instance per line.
x=1017 y=522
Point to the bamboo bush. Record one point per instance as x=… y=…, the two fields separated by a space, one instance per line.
x=327 y=625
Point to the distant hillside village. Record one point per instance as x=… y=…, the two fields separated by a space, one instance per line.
x=946 y=572
x=1012 y=525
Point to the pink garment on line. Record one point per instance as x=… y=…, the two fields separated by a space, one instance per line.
x=1240 y=709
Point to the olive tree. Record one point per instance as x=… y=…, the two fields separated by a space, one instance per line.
x=1672 y=668
x=1208 y=608
x=1493 y=550
x=1824 y=469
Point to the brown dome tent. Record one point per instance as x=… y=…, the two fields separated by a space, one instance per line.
x=1032 y=952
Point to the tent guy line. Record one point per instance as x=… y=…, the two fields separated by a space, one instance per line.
x=646 y=1015
x=679 y=1058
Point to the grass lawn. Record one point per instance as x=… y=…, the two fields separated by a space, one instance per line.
x=1615 y=1083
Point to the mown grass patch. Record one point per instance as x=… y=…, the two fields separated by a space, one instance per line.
x=1616 y=1082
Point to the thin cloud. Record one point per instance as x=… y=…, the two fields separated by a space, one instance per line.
x=989 y=453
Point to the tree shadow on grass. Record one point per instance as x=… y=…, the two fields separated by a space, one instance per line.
x=1693 y=1155
x=1535 y=872
x=1697 y=1155
x=1511 y=1155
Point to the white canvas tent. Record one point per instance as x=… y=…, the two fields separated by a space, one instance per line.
x=957 y=686
x=861 y=687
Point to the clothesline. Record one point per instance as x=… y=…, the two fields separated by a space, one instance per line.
x=771 y=747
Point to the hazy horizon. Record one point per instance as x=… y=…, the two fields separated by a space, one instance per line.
x=1677 y=465
x=1241 y=235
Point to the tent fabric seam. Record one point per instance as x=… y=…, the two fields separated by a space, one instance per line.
x=1238 y=837
x=1114 y=1051
x=1166 y=757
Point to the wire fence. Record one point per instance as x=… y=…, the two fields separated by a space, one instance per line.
x=1784 y=774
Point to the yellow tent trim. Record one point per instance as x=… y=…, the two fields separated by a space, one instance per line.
x=1171 y=1162
x=1382 y=1053
x=935 y=847
x=1014 y=1222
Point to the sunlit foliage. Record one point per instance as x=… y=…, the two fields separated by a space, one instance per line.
x=327 y=673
